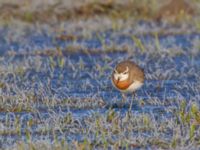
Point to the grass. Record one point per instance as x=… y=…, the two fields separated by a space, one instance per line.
x=56 y=91
x=111 y=129
x=105 y=127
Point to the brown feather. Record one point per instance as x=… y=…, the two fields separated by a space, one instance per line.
x=135 y=74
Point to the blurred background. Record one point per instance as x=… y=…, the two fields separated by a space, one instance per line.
x=56 y=11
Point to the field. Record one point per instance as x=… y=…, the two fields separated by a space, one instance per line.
x=56 y=61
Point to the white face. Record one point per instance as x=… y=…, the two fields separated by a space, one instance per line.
x=121 y=76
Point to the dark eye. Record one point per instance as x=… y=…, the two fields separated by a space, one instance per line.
x=125 y=72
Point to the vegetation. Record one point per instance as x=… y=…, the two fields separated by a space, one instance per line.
x=55 y=67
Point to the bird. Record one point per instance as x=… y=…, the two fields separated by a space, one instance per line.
x=127 y=77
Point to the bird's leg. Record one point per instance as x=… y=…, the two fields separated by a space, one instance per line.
x=130 y=108
x=134 y=94
x=123 y=98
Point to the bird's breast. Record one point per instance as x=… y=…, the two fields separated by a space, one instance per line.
x=122 y=85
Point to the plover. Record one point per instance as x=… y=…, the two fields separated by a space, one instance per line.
x=127 y=77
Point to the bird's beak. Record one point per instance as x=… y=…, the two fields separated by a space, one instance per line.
x=118 y=80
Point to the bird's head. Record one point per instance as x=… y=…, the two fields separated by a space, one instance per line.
x=121 y=73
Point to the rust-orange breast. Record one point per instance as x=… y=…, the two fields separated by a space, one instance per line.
x=122 y=85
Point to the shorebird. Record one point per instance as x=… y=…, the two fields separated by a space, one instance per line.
x=127 y=77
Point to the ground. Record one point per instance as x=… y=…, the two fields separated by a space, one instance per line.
x=56 y=60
